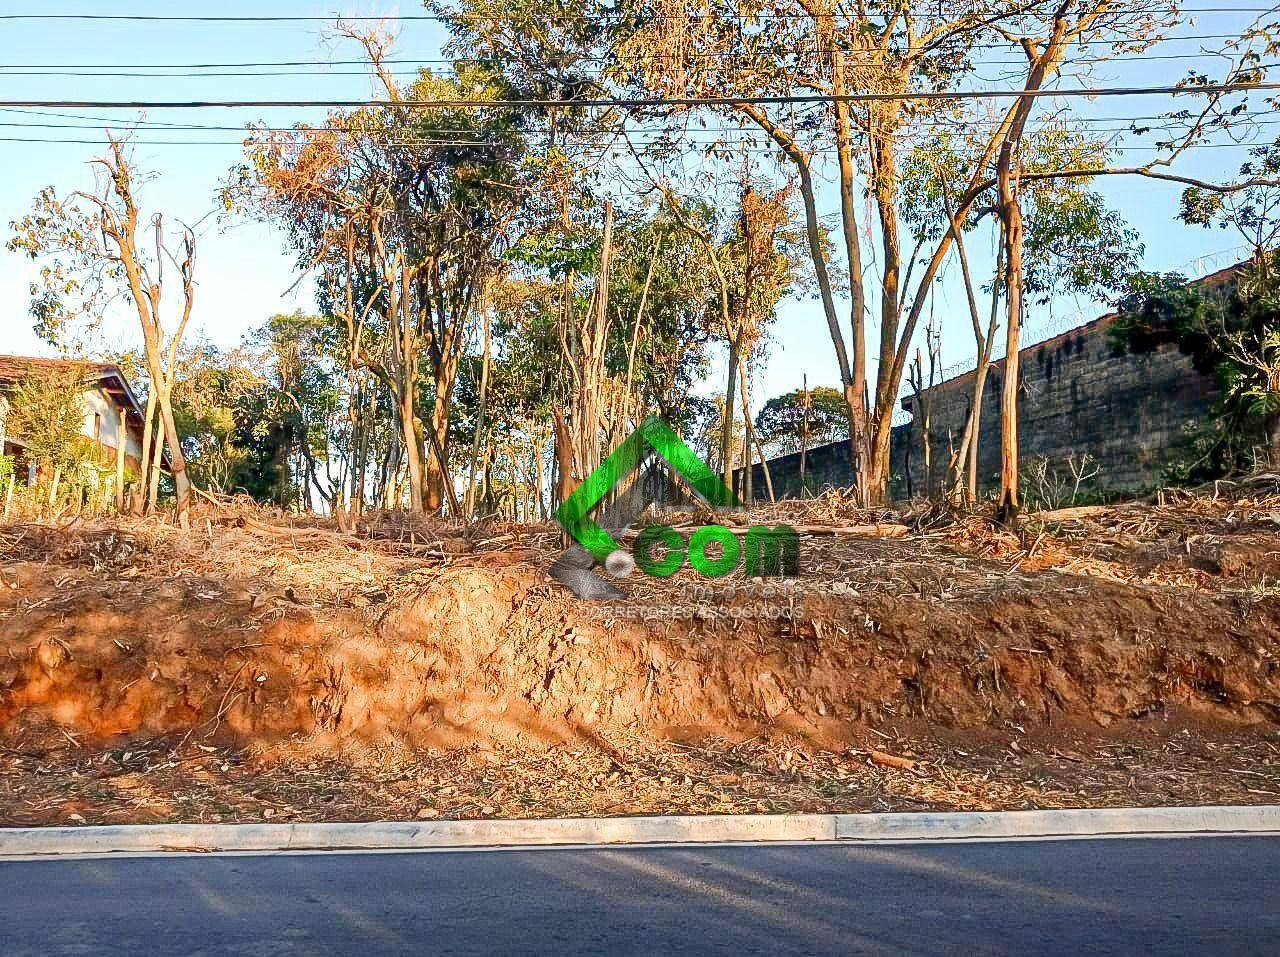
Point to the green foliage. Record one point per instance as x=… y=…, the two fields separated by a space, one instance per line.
x=671 y=345
x=77 y=275
x=1253 y=212
x=297 y=407
x=210 y=396
x=537 y=48
x=46 y=412
x=780 y=424
x=1073 y=242
x=527 y=374
x=1230 y=331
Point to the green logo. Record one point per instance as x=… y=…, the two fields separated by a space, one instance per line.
x=660 y=550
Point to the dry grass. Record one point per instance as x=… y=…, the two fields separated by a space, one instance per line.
x=1182 y=542
x=148 y=782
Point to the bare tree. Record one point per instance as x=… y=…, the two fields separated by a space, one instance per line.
x=860 y=63
x=96 y=246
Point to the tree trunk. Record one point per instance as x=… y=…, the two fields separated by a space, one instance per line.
x=885 y=117
x=1273 y=439
x=157 y=464
x=806 y=401
x=594 y=342
x=1007 y=506
x=966 y=478
x=565 y=479
x=753 y=443
x=923 y=416
x=726 y=425
x=53 y=485
x=177 y=463
x=855 y=381
x=628 y=401
x=853 y=388
x=439 y=483
x=878 y=470
x=469 y=498
x=1043 y=63
x=412 y=446
x=432 y=478
x=144 y=472
x=538 y=477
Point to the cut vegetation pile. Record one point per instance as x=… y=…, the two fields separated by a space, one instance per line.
x=277 y=640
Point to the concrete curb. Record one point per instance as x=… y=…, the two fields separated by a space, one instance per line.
x=132 y=839
x=1083 y=822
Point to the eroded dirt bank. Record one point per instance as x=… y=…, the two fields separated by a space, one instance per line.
x=266 y=667
x=114 y=634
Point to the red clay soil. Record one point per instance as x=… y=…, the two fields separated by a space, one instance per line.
x=108 y=634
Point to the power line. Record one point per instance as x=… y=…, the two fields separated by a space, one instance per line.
x=384 y=140
x=405 y=61
x=647 y=101
x=198 y=127
x=450 y=18
x=1093 y=123
x=199 y=72
x=759 y=150
x=103 y=142
x=967 y=121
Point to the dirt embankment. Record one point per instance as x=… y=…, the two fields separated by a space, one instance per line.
x=485 y=649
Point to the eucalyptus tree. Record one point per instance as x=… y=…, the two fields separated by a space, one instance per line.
x=97 y=246
x=297 y=417
x=650 y=325
x=556 y=50
x=1074 y=244
x=405 y=214
x=753 y=260
x=855 y=80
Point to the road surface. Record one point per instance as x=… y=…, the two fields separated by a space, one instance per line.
x=1131 y=896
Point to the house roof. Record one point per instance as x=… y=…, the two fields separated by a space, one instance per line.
x=15 y=368
x=107 y=375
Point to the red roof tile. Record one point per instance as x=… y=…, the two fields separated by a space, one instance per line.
x=13 y=368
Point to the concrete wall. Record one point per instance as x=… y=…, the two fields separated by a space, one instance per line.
x=825 y=466
x=1079 y=395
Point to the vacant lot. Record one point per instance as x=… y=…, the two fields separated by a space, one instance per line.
x=260 y=667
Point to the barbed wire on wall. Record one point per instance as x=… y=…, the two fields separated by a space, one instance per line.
x=1041 y=332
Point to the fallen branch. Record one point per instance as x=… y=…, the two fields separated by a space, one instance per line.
x=885 y=759
x=1071 y=514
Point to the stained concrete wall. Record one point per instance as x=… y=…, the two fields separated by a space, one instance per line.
x=1079 y=394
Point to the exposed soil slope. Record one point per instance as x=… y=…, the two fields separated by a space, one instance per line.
x=254 y=633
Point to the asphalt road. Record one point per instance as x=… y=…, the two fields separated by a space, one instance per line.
x=1135 y=896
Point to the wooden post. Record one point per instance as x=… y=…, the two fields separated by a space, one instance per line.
x=122 y=434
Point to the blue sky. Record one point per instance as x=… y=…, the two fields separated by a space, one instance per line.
x=243 y=271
